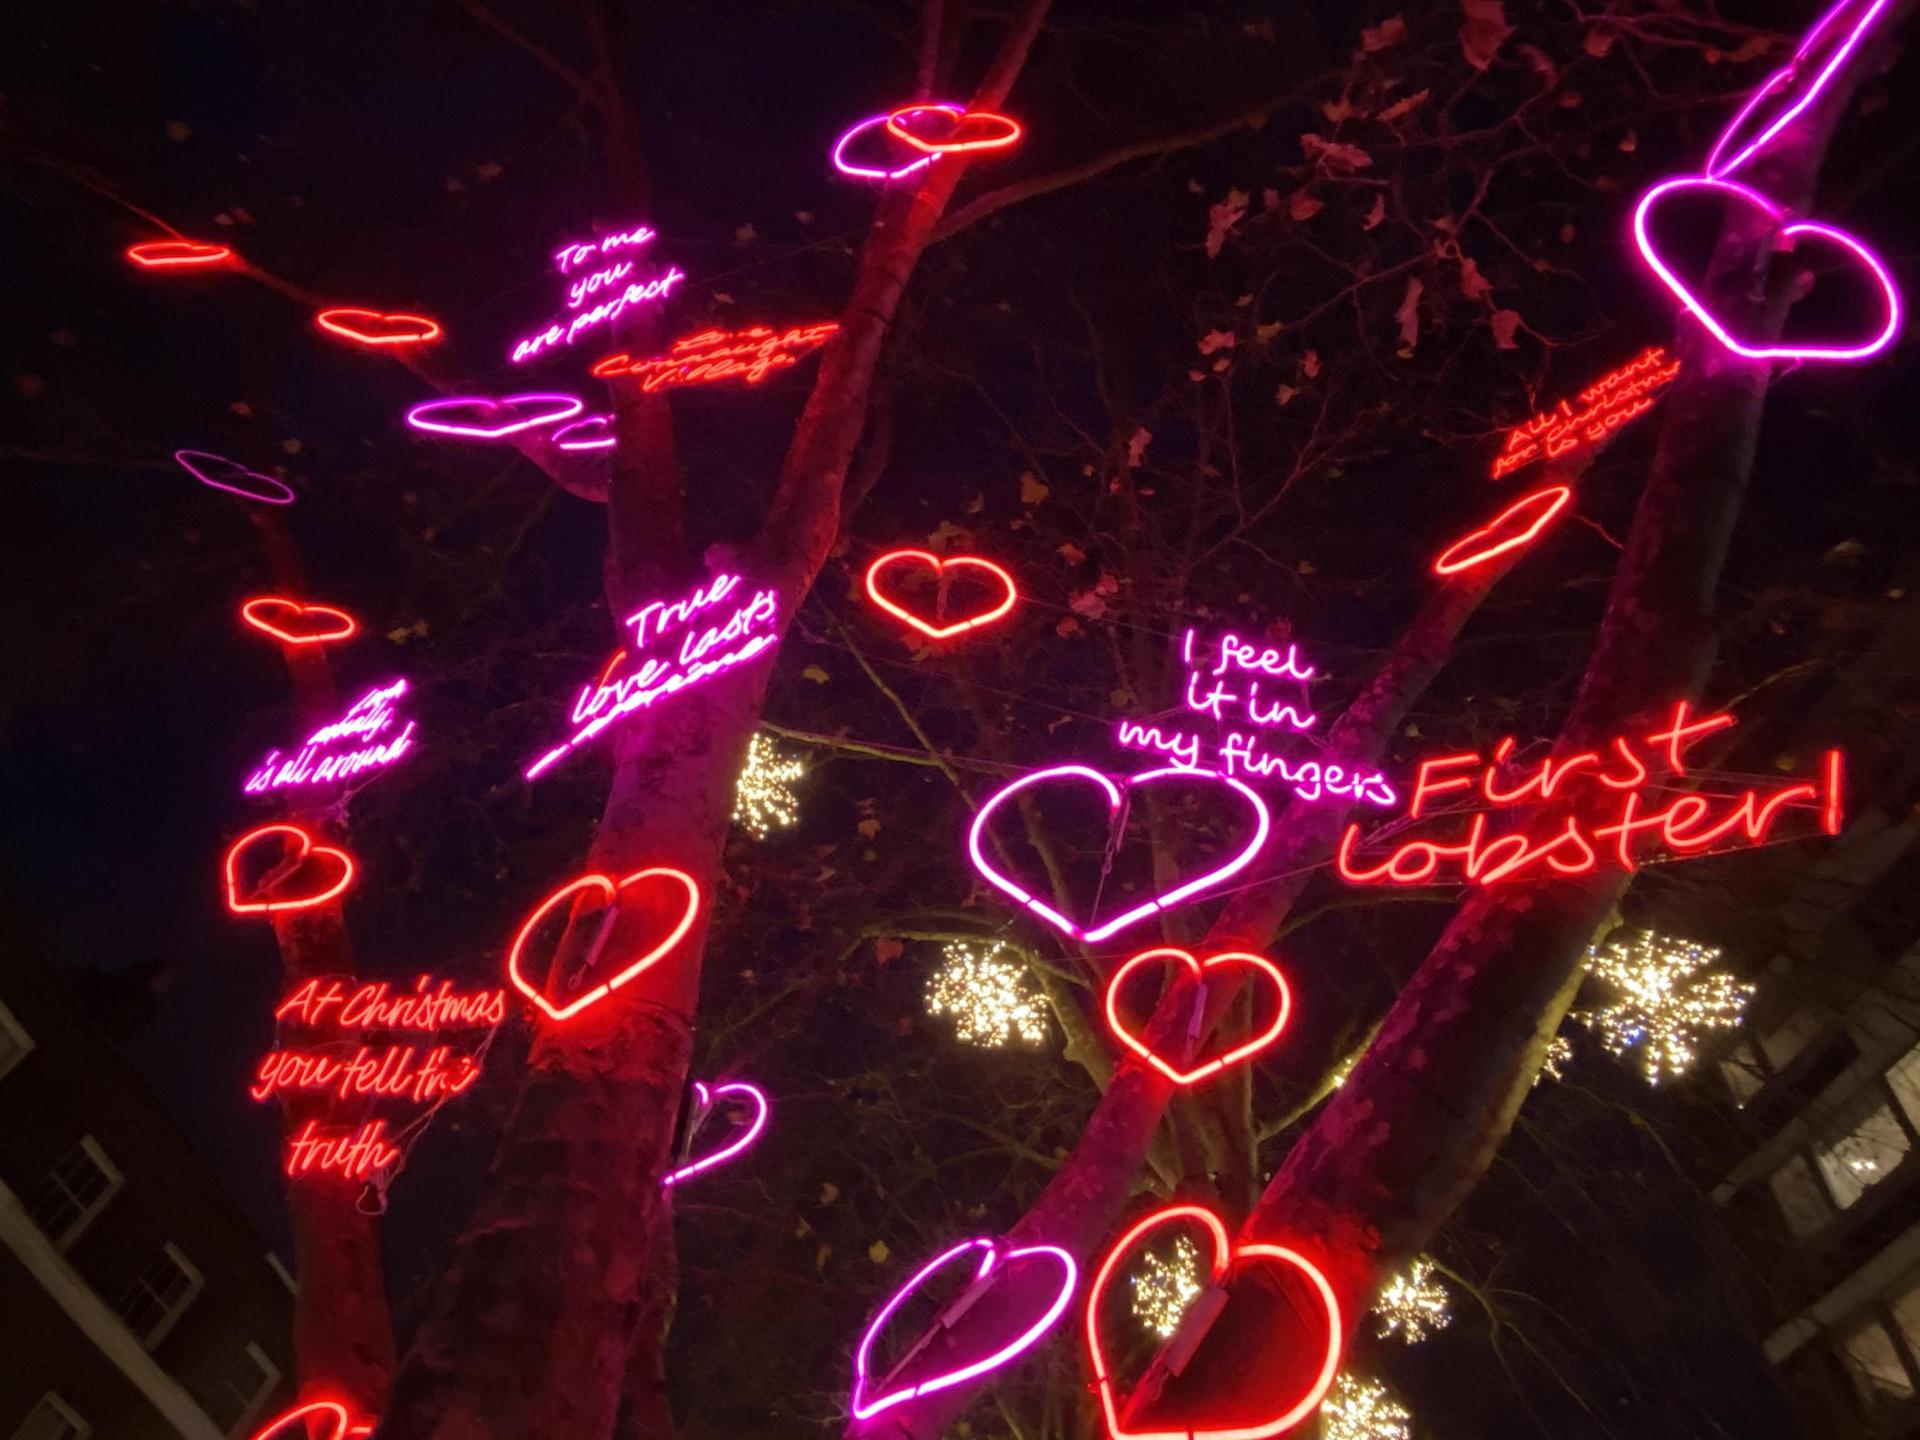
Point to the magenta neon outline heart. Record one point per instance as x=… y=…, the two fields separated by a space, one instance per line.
x=1263 y=822
x=862 y=172
x=739 y=1143
x=566 y=408
x=1784 y=77
x=1801 y=227
x=286 y=496
x=864 y=1408
x=602 y=439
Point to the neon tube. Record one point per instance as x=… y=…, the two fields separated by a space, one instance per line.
x=862 y=172
x=371 y=327
x=259 y=611
x=309 y=849
x=174 y=254
x=705 y=1104
x=611 y=889
x=1519 y=524
x=992 y=613
x=899 y=121
x=548 y=409
x=196 y=464
x=1719 y=163
x=1199 y=970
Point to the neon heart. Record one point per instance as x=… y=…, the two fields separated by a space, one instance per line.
x=309 y=850
x=1784 y=234
x=260 y=613
x=493 y=419
x=1199 y=969
x=1829 y=43
x=1519 y=524
x=593 y=433
x=704 y=1105
x=198 y=463
x=1227 y=1262
x=992 y=1264
x=283 y=1423
x=166 y=254
x=1262 y=823
x=863 y=172
x=938 y=566
x=970 y=130
x=371 y=327
x=611 y=889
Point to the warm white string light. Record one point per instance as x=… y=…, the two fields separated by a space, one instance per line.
x=987 y=991
x=1553 y=1066
x=1413 y=1304
x=763 y=798
x=1359 y=1408
x=1665 y=1001
x=1163 y=1288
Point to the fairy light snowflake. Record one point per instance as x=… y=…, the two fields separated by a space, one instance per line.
x=989 y=994
x=1667 y=997
x=1359 y=1408
x=763 y=798
x=1553 y=1066
x=1413 y=1304
x=1163 y=1288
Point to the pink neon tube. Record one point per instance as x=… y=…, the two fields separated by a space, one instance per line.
x=1719 y=164
x=863 y=172
x=865 y=1407
x=548 y=409
x=194 y=462
x=1748 y=194
x=704 y=1103
x=1263 y=822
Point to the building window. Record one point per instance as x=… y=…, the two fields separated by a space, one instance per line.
x=162 y=1293
x=1903 y=1079
x=1742 y=1071
x=75 y=1190
x=1867 y=1153
x=1802 y=1203
x=1789 y=1038
x=247 y=1388
x=52 y=1419
x=1874 y=1362
x=14 y=1041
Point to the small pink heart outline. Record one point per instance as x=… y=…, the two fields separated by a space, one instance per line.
x=703 y=1107
x=1263 y=823
x=427 y=415
x=1748 y=195
x=994 y=1261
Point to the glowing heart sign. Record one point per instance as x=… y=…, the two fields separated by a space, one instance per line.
x=475 y=417
x=1779 y=101
x=593 y=433
x=628 y=970
x=328 y=871
x=1869 y=266
x=937 y=131
x=1116 y=803
x=1228 y=1262
x=1519 y=524
x=1263 y=969
x=298 y=1423
x=177 y=254
x=871 y=1397
x=705 y=1102
x=233 y=477
x=372 y=327
x=908 y=160
x=943 y=569
x=294 y=622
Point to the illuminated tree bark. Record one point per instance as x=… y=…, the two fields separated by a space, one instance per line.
x=1417 y=1123
x=555 y=1293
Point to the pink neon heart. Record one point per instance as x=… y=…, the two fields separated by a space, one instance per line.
x=995 y=1261
x=1746 y=195
x=1080 y=773
x=746 y=1137
x=1786 y=93
x=478 y=417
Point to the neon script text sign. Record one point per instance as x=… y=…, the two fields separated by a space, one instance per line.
x=655 y=668
x=750 y=355
x=340 y=750
x=1223 y=684
x=603 y=272
x=1606 y=405
x=376 y=1067
x=1606 y=803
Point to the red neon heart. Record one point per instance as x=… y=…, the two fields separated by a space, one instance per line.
x=934 y=563
x=1259 y=964
x=284 y=1423
x=318 y=893
x=159 y=254
x=371 y=327
x=1227 y=1262
x=969 y=130
x=297 y=623
x=1519 y=524
x=611 y=889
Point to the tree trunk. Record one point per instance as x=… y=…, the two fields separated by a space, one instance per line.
x=552 y=1297
x=1418 y=1121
